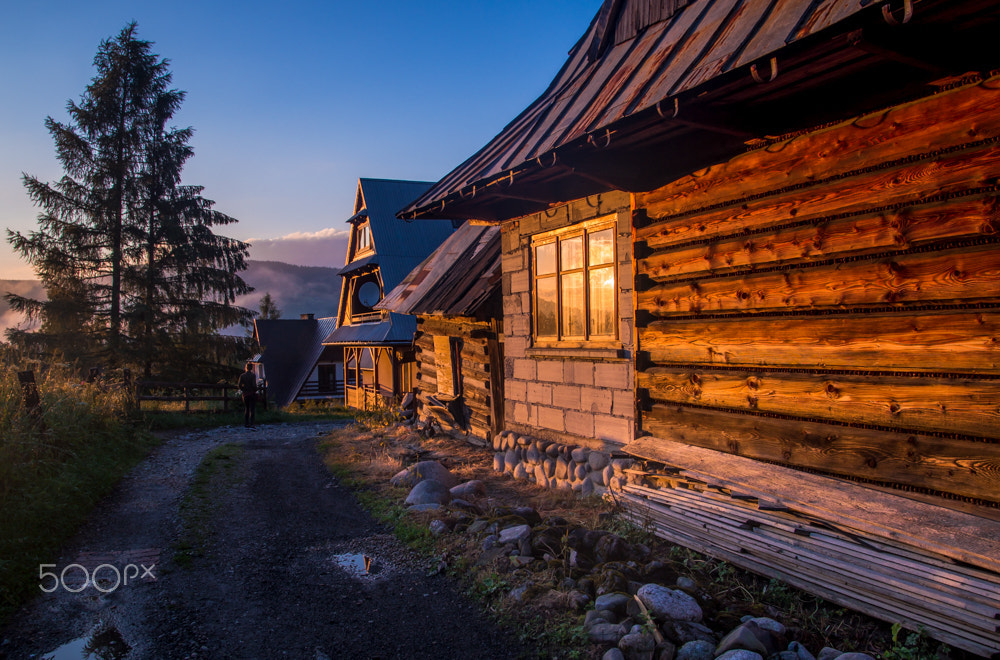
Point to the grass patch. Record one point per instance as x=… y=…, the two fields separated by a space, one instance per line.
x=297 y=412
x=217 y=472
x=55 y=466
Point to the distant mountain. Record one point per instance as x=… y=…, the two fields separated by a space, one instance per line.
x=295 y=289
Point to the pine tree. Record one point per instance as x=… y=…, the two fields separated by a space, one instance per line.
x=126 y=253
x=268 y=308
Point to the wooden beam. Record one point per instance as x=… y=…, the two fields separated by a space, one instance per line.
x=956 y=535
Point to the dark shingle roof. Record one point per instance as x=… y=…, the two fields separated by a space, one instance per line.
x=289 y=351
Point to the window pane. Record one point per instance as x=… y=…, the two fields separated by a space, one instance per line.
x=602 y=301
x=573 y=312
x=545 y=259
x=602 y=247
x=546 y=324
x=571 y=253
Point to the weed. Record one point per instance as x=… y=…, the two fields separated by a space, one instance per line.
x=915 y=646
x=216 y=471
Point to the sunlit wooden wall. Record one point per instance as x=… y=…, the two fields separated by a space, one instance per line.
x=831 y=300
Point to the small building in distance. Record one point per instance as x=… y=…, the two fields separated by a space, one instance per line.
x=378 y=356
x=455 y=295
x=294 y=364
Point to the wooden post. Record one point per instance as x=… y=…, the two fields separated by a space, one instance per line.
x=29 y=392
x=187 y=400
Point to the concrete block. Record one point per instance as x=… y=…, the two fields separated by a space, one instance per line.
x=519 y=281
x=579 y=373
x=580 y=423
x=515 y=347
x=615 y=429
x=550 y=371
x=623 y=404
x=613 y=375
x=524 y=369
x=539 y=393
x=566 y=396
x=596 y=400
x=551 y=418
x=516 y=390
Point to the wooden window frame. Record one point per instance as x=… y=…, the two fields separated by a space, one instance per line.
x=364 y=247
x=556 y=236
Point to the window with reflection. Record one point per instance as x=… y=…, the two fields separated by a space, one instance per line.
x=574 y=284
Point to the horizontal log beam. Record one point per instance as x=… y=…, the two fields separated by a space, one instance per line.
x=957 y=342
x=948 y=405
x=801 y=244
x=937 y=122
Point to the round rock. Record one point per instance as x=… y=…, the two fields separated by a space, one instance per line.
x=697 y=650
x=429 y=491
x=664 y=603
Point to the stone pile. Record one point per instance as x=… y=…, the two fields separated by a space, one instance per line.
x=558 y=466
x=618 y=584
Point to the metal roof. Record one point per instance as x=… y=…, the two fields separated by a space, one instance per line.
x=358 y=264
x=656 y=89
x=456 y=279
x=289 y=351
x=399 y=244
x=396 y=329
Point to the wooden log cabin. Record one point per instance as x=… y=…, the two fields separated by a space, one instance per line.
x=455 y=295
x=806 y=290
x=378 y=357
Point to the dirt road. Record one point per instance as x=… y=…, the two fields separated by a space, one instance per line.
x=258 y=554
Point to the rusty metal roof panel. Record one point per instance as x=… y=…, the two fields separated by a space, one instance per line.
x=659 y=49
x=455 y=279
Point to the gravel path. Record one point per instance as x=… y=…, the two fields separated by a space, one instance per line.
x=281 y=575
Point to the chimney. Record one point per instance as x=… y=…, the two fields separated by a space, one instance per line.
x=307 y=317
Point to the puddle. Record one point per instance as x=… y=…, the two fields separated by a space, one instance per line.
x=357 y=563
x=108 y=644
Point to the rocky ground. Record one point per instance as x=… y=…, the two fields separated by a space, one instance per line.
x=259 y=553
x=550 y=561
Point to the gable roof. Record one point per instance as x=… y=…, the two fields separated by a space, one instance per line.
x=289 y=351
x=399 y=244
x=456 y=279
x=656 y=89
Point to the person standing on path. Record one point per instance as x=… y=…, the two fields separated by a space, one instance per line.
x=248 y=389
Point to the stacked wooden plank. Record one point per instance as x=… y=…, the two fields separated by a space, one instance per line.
x=955 y=603
x=902 y=560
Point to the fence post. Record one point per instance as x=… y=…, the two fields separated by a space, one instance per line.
x=187 y=400
x=29 y=392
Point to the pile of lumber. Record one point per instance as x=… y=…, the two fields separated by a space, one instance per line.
x=895 y=581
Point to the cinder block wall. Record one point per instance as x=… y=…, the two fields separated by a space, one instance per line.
x=579 y=396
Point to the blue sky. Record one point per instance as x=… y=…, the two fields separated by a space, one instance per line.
x=291 y=102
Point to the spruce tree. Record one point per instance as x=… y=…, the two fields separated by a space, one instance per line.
x=125 y=251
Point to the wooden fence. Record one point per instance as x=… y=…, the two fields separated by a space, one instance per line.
x=192 y=392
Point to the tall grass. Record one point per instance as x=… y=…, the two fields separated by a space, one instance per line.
x=54 y=466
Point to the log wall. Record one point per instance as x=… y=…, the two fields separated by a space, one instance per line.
x=480 y=380
x=832 y=301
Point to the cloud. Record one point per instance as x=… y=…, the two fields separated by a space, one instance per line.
x=326 y=247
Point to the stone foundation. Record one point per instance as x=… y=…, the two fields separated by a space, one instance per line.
x=558 y=466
